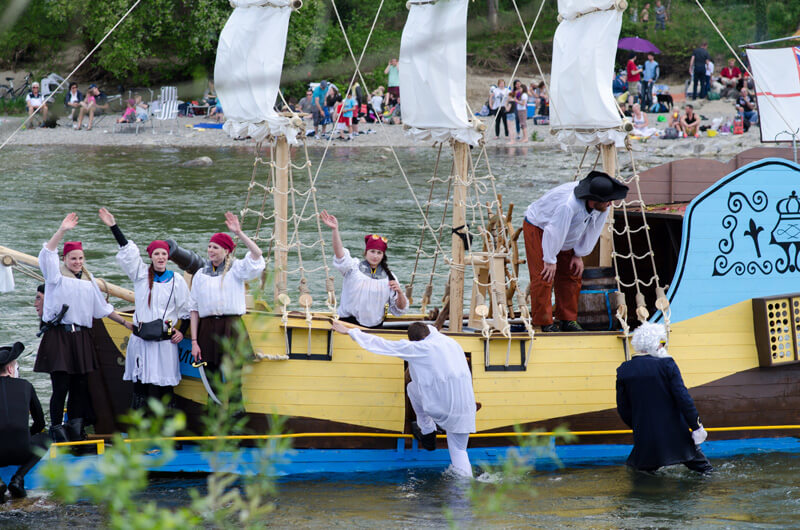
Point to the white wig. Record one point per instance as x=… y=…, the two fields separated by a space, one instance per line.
x=650 y=339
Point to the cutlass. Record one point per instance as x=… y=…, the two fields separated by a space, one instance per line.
x=201 y=368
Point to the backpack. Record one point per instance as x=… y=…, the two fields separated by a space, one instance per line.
x=658 y=107
x=670 y=133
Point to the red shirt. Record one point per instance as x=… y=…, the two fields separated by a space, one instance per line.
x=633 y=78
x=727 y=73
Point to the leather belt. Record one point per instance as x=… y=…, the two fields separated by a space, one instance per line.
x=72 y=328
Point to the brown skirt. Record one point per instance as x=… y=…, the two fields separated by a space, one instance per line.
x=211 y=335
x=64 y=351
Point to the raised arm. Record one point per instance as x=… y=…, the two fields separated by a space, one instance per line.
x=69 y=222
x=333 y=223
x=234 y=226
x=109 y=220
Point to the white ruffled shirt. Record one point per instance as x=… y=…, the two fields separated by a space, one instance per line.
x=129 y=259
x=439 y=368
x=213 y=296
x=566 y=223
x=363 y=297
x=84 y=298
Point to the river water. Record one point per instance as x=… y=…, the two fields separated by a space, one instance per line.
x=152 y=197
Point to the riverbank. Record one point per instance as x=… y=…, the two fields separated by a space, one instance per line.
x=183 y=133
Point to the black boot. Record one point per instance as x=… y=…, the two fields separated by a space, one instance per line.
x=139 y=397
x=17 y=487
x=58 y=434
x=427 y=441
x=75 y=431
x=2 y=491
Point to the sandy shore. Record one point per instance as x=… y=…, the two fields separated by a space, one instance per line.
x=183 y=134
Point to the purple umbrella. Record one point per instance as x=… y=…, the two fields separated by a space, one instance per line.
x=635 y=44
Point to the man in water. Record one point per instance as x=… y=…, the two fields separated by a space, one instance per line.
x=440 y=390
x=20 y=444
x=560 y=228
x=654 y=402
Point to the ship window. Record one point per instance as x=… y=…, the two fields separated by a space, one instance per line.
x=309 y=344
x=777 y=326
x=504 y=355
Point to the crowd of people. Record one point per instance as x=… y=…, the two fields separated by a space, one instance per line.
x=513 y=102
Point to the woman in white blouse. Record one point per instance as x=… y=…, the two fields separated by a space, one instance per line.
x=368 y=284
x=218 y=293
x=152 y=363
x=72 y=300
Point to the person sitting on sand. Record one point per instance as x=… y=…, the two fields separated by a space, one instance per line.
x=675 y=121
x=640 y=124
x=690 y=122
x=35 y=100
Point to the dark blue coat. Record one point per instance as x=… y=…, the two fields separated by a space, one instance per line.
x=654 y=402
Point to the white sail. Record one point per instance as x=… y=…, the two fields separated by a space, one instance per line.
x=777 y=78
x=582 y=106
x=433 y=72
x=247 y=73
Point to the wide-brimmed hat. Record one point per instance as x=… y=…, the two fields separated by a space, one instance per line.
x=598 y=186
x=10 y=353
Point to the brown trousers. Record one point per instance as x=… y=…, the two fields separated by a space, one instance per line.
x=567 y=286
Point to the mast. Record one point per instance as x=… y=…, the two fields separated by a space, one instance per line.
x=461 y=158
x=608 y=153
x=280 y=197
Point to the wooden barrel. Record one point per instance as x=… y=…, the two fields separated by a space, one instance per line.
x=597 y=304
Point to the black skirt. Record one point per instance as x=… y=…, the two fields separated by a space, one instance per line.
x=66 y=351
x=212 y=333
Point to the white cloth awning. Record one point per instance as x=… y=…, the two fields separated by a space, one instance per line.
x=247 y=73
x=777 y=77
x=582 y=106
x=433 y=72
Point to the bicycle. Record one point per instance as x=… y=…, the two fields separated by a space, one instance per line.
x=9 y=92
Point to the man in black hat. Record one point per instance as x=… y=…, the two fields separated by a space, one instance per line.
x=20 y=444
x=560 y=228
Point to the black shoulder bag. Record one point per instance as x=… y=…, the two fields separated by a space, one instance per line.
x=154 y=330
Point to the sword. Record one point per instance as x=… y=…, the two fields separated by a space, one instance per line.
x=201 y=368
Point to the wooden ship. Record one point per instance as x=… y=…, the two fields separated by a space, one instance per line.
x=715 y=263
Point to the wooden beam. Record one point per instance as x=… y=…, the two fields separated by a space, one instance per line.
x=461 y=157
x=609 y=156
x=281 y=200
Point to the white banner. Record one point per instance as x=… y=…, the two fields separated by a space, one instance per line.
x=777 y=77
x=433 y=72
x=247 y=73
x=582 y=106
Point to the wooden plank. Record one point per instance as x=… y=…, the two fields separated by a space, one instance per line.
x=461 y=166
x=376 y=398
x=326 y=369
x=328 y=383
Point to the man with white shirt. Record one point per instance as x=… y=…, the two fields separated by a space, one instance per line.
x=440 y=390
x=34 y=100
x=560 y=228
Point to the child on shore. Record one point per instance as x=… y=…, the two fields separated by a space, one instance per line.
x=129 y=115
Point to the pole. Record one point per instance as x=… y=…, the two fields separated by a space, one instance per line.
x=109 y=288
x=461 y=157
x=609 y=155
x=281 y=200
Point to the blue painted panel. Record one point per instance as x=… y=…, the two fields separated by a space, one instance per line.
x=741 y=239
x=331 y=461
x=185 y=359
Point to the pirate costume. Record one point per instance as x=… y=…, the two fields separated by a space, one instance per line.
x=67 y=350
x=365 y=290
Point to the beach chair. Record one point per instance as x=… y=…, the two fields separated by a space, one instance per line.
x=168 y=106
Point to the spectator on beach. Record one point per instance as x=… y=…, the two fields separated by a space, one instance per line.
x=393 y=83
x=35 y=100
x=498 y=102
x=541 y=98
x=129 y=114
x=731 y=78
x=697 y=68
x=95 y=101
x=675 y=121
x=142 y=109
x=746 y=108
x=709 y=74
x=650 y=74
x=646 y=16
x=345 y=110
x=620 y=84
x=640 y=123
x=72 y=100
x=661 y=16
x=306 y=106
x=318 y=109
x=519 y=95
x=634 y=75
x=690 y=122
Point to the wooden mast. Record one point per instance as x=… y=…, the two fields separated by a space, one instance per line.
x=608 y=154
x=281 y=200
x=461 y=157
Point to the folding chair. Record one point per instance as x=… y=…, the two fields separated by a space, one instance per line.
x=168 y=106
